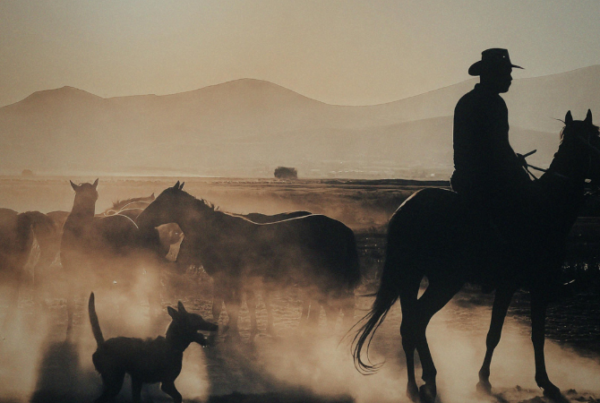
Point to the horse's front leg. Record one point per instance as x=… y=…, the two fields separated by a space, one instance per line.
x=501 y=303
x=233 y=301
x=267 y=299
x=538 y=323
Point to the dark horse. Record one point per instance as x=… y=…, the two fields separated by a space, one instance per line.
x=314 y=251
x=102 y=250
x=434 y=235
x=17 y=234
x=187 y=257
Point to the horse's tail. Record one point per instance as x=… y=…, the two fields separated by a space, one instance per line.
x=385 y=298
x=94 y=321
x=43 y=226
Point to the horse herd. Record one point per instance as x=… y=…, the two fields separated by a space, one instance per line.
x=242 y=253
x=431 y=235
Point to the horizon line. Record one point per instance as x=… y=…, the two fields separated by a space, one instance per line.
x=285 y=88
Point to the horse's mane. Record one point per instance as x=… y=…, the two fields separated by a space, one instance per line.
x=562 y=132
x=202 y=202
x=119 y=204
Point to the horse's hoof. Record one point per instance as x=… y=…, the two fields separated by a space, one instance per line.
x=427 y=393
x=553 y=393
x=484 y=387
x=412 y=392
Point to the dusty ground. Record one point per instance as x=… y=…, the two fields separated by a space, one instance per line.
x=37 y=362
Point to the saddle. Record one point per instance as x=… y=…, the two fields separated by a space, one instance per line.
x=507 y=246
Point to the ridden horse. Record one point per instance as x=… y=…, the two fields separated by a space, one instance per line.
x=102 y=250
x=314 y=251
x=188 y=257
x=17 y=234
x=434 y=235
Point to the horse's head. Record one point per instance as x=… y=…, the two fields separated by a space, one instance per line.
x=582 y=138
x=85 y=193
x=165 y=208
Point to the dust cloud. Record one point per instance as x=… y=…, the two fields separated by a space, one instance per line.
x=41 y=364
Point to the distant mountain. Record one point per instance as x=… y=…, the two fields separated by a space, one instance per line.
x=249 y=127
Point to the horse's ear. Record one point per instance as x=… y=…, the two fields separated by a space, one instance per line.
x=181 y=308
x=176 y=185
x=181 y=187
x=588 y=117
x=74 y=186
x=569 y=118
x=95 y=184
x=173 y=313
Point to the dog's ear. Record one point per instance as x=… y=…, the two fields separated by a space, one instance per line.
x=173 y=313
x=181 y=308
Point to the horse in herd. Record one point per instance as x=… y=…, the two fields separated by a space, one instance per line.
x=18 y=232
x=433 y=234
x=104 y=248
x=187 y=256
x=313 y=251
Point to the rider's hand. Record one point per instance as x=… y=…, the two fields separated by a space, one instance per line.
x=521 y=160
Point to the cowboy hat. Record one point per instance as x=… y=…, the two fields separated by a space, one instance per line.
x=491 y=59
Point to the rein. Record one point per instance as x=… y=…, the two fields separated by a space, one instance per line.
x=527 y=165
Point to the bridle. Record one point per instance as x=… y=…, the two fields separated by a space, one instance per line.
x=585 y=141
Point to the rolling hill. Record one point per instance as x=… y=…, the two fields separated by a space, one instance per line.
x=248 y=127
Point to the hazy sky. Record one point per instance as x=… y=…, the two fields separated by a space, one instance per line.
x=337 y=51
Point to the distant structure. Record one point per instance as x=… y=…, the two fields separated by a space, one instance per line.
x=286 y=173
x=27 y=173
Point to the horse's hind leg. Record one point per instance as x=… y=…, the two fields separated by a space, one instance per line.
x=408 y=301
x=348 y=311
x=501 y=303
x=251 y=305
x=439 y=292
x=12 y=299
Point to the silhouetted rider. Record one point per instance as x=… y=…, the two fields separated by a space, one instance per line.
x=485 y=164
x=490 y=177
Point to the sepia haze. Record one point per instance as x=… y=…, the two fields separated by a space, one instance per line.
x=246 y=128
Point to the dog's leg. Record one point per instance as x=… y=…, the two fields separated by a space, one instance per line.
x=170 y=389
x=136 y=390
x=112 y=383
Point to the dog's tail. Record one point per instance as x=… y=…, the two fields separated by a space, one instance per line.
x=94 y=321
